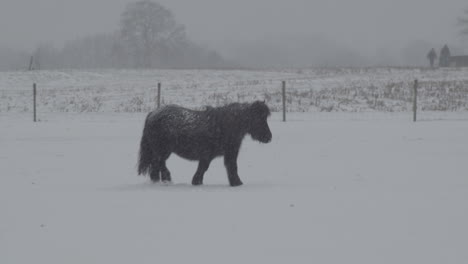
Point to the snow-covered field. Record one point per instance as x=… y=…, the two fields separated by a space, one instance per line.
x=309 y=90
x=324 y=191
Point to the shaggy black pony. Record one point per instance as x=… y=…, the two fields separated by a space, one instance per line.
x=200 y=135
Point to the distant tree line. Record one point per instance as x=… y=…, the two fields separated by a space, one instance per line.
x=149 y=37
x=108 y=51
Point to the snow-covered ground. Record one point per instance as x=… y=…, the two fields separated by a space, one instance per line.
x=324 y=191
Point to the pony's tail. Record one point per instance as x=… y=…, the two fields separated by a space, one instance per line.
x=145 y=156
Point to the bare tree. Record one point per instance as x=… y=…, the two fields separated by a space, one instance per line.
x=150 y=30
x=431 y=56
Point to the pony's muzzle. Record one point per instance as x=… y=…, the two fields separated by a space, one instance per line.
x=266 y=139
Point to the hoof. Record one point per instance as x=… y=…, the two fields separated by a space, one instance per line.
x=166 y=176
x=155 y=177
x=236 y=183
x=167 y=183
x=197 y=183
x=155 y=180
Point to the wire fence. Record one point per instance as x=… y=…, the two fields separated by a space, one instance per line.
x=437 y=99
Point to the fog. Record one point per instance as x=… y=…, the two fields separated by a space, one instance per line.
x=261 y=33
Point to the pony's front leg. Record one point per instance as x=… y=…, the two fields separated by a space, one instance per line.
x=230 y=161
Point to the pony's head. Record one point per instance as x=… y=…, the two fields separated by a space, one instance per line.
x=258 y=113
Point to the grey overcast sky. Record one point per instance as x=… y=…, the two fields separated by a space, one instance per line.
x=223 y=24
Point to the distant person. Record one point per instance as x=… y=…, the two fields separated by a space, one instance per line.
x=444 y=58
x=432 y=56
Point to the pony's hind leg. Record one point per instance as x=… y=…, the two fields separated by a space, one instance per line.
x=155 y=173
x=165 y=173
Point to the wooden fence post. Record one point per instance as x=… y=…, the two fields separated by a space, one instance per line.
x=34 y=100
x=284 y=101
x=415 y=100
x=159 y=95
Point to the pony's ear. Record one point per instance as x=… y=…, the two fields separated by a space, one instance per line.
x=256 y=104
x=259 y=102
x=259 y=107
